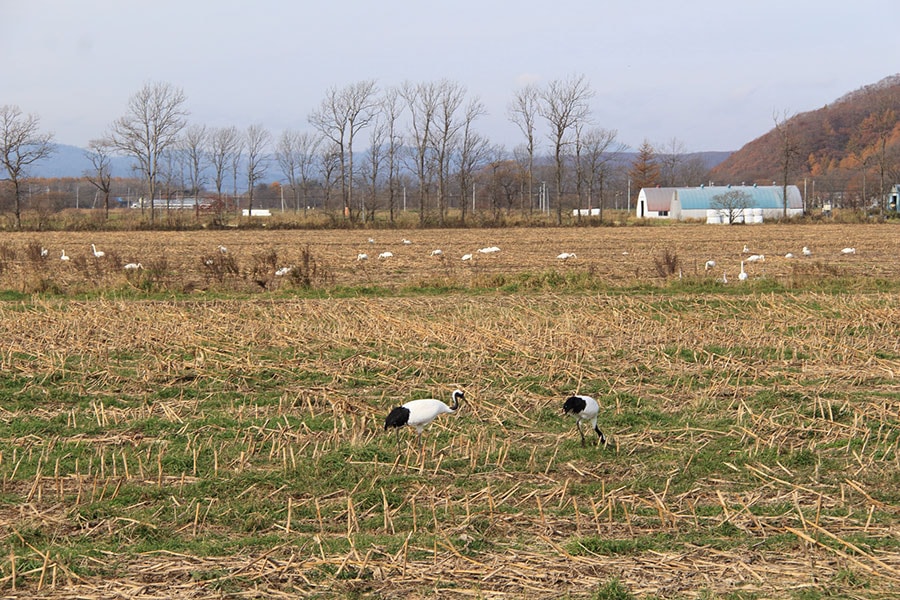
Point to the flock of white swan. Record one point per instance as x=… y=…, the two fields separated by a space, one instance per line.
x=743 y=275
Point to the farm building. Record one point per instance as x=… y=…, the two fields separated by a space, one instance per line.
x=719 y=204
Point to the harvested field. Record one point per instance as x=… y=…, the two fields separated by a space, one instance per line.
x=215 y=437
x=624 y=256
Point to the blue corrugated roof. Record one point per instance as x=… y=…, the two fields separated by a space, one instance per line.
x=703 y=198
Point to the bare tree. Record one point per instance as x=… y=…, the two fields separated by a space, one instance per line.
x=99 y=152
x=341 y=115
x=523 y=112
x=21 y=145
x=287 y=156
x=151 y=125
x=670 y=157
x=789 y=151
x=732 y=204
x=224 y=142
x=194 y=145
x=473 y=152
x=422 y=101
x=296 y=155
x=329 y=164
x=390 y=108
x=378 y=146
x=257 y=140
x=446 y=126
x=563 y=105
x=237 y=155
x=600 y=149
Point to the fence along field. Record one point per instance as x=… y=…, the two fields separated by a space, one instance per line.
x=230 y=444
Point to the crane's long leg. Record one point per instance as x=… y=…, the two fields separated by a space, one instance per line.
x=581 y=433
x=599 y=433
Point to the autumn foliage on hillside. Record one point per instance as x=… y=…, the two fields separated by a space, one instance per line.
x=839 y=145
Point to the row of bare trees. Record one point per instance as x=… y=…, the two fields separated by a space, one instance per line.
x=365 y=144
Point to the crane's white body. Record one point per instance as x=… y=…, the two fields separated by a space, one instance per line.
x=422 y=412
x=419 y=413
x=566 y=256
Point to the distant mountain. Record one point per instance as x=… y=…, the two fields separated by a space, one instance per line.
x=831 y=142
x=72 y=161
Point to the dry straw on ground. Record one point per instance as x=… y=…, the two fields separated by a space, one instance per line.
x=211 y=446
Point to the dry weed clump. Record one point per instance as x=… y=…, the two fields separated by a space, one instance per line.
x=216 y=446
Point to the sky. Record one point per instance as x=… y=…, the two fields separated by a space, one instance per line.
x=708 y=75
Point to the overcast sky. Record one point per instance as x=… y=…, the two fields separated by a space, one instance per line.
x=710 y=73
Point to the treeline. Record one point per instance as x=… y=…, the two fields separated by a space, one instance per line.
x=368 y=154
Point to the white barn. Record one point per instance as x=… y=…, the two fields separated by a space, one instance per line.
x=704 y=203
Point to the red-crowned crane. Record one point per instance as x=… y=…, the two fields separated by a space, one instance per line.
x=419 y=413
x=584 y=408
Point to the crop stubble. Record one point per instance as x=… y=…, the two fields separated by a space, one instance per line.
x=755 y=445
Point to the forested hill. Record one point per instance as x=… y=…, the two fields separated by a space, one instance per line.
x=841 y=139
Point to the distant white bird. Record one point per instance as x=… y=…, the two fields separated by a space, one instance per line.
x=371 y=240
x=807 y=251
x=282 y=271
x=406 y=241
x=63 y=257
x=724 y=277
x=97 y=253
x=386 y=255
x=746 y=250
x=566 y=256
x=789 y=255
x=848 y=251
x=489 y=250
x=419 y=413
x=223 y=250
x=467 y=257
x=437 y=252
x=44 y=252
x=133 y=266
x=709 y=264
x=209 y=262
x=584 y=408
x=362 y=256
x=756 y=258
x=743 y=274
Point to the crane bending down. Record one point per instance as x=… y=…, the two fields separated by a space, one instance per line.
x=419 y=413
x=584 y=408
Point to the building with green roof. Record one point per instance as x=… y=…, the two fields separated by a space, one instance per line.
x=719 y=204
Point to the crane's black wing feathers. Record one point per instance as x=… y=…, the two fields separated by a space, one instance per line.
x=398 y=417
